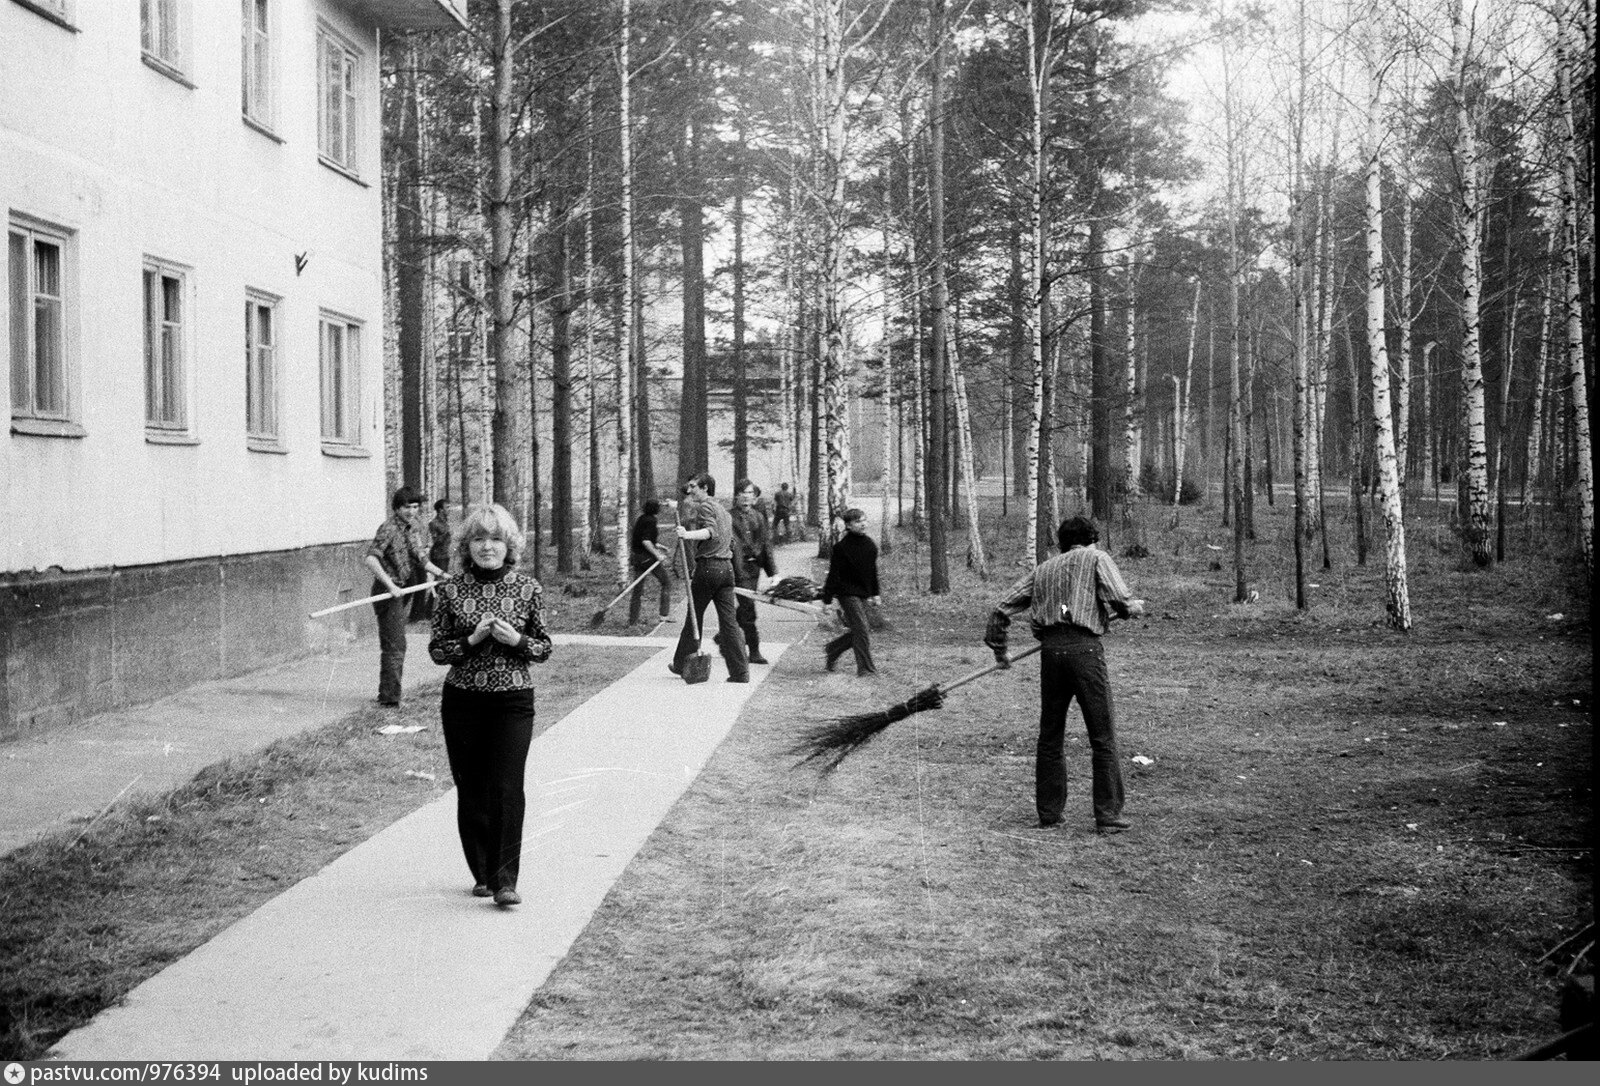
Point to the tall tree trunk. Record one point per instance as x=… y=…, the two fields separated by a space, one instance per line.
x=1130 y=407
x=1503 y=423
x=741 y=382
x=886 y=540
x=834 y=377
x=625 y=337
x=1530 y=466
x=1475 y=521
x=561 y=436
x=507 y=404
x=1039 y=63
x=1236 y=480
x=693 y=444
x=594 y=530
x=1397 y=598
x=939 y=300
x=410 y=273
x=1577 y=376
x=1181 y=406
x=1301 y=342
x=1402 y=370
x=976 y=559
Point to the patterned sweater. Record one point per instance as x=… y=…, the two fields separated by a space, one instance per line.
x=463 y=600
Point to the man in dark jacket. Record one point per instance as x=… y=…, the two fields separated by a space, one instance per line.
x=752 y=555
x=853 y=581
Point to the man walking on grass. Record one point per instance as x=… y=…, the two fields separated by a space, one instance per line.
x=1070 y=599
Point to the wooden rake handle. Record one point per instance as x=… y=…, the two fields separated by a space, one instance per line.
x=370 y=599
x=630 y=587
x=945 y=688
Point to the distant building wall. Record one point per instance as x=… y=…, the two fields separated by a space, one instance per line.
x=157 y=195
x=74 y=644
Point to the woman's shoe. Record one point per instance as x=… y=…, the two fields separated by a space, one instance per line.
x=481 y=890
x=507 y=896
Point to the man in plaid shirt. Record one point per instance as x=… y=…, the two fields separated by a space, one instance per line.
x=1070 y=599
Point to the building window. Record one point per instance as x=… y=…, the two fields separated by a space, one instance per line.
x=162 y=27
x=37 y=279
x=57 y=11
x=257 y=60
x=340 y=353
x=166 y=334
x=337 y=101
x=261 y=368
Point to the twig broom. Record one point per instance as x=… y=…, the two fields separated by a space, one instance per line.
x=836 y=740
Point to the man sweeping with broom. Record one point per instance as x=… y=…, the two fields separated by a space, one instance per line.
x=1070 y=599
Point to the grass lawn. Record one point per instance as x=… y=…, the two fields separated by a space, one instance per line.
x=1349 y=843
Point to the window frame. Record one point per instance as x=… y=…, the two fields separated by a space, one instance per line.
x=340 y=404
x=346 y=156
x=61 y=418
x=164 y=38
x=258 y=60
x=263 y=414
x=171 y=385
x=61 y=12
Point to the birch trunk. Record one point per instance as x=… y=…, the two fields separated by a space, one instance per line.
x=1467 y=211
x=625 y=303
x=1038 y=76
x=1180 y=408
x=1130 y=410
x=1397 y=600
x=1530 y=466
x=969 y=482
x=939 y=301
x=1577 y=378
x=835 y=393
x=886 y=541
x=1402 y=372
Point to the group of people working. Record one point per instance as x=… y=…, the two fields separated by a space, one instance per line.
x=488 y=626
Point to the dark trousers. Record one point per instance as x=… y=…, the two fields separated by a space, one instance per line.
x=855 y=636
x=638 y=563
x=392 y=614
x=486 y=735
x=713 y=583
x=782 y=526
x=1074 y=666
x=744 y=612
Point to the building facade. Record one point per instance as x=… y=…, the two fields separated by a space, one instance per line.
x=194 y=454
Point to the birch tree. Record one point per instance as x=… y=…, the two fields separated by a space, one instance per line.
x=1577 y=378
x=1467 y=212
x=1397 y=600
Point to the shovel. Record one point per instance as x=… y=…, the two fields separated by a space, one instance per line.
x=696 y=668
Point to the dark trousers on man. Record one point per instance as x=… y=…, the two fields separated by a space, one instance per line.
x=392 y=615
x=487 y=735
x=745 y=613
x=638 y=563
x=1073 y=665
x=712 y=583
x=855 y=636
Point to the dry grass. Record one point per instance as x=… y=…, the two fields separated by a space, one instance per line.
x=1352 y=844
x=153 y=880
x=1340 y=853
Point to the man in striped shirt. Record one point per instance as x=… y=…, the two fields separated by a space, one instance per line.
x=1070 y=599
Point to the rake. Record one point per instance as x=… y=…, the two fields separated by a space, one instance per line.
x=836 y=740
x=600 y=616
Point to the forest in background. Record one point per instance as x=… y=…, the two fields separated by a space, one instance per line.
x=1121 y=254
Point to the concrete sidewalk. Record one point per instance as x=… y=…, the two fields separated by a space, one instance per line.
x=384 y=954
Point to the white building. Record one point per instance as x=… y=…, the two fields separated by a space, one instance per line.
x=194 y=323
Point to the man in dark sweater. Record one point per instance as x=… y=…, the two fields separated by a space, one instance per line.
x=853 y=581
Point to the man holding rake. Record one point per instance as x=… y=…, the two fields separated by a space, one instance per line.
x=1070 y=600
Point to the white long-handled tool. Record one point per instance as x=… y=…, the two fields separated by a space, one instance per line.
x=600 y=616
x=371 y=599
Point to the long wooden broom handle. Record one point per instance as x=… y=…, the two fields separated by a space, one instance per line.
x=371 y=599
x=945 y=688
